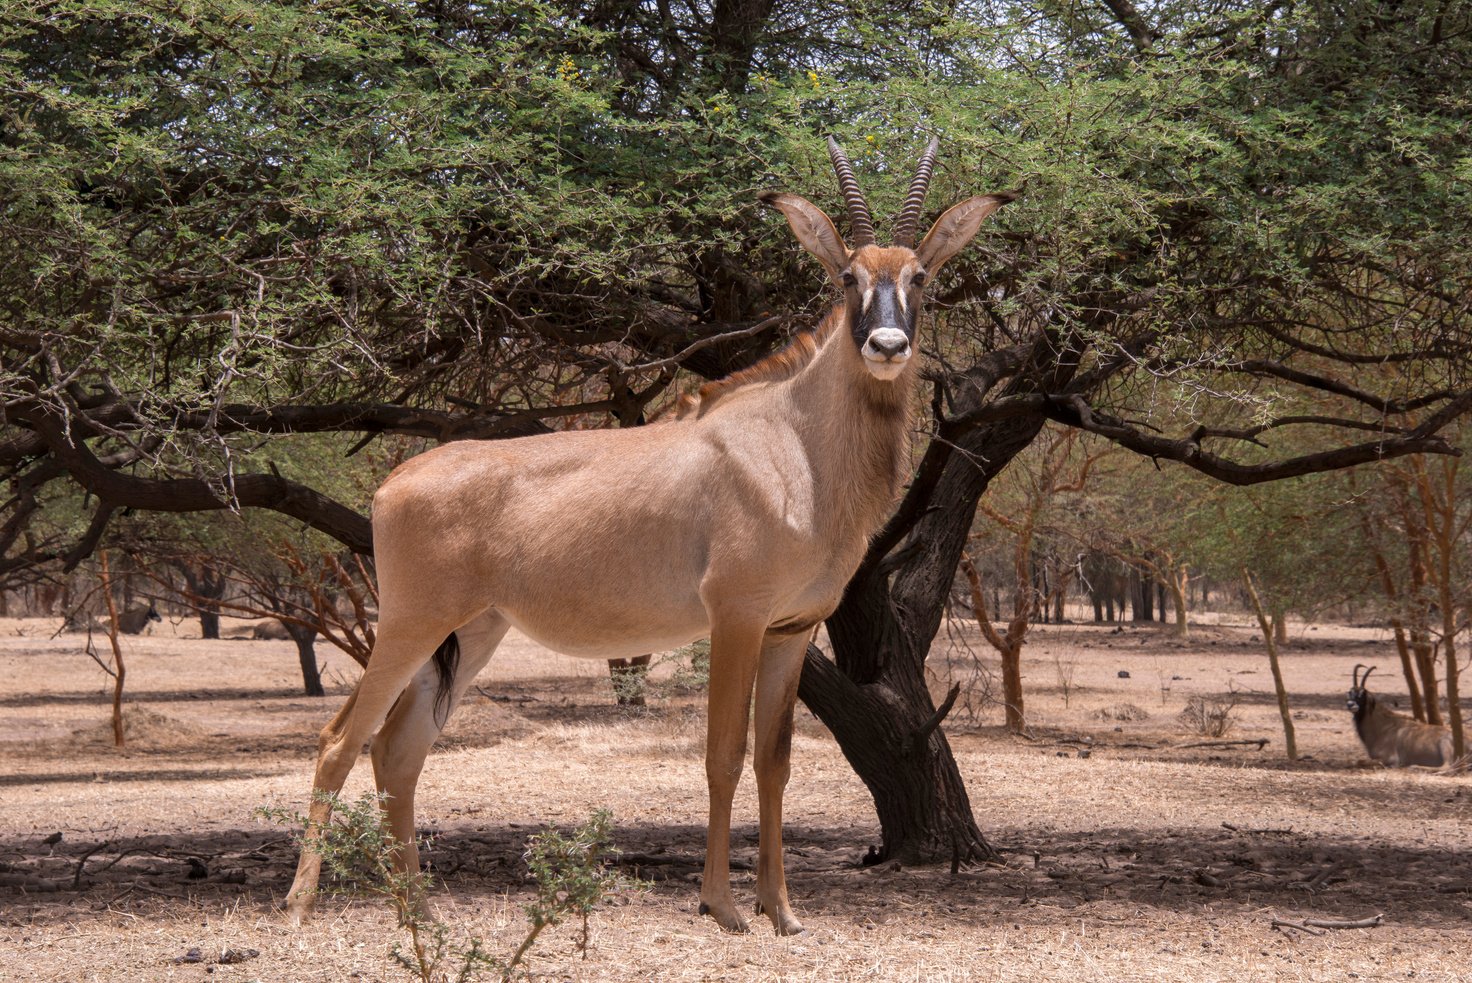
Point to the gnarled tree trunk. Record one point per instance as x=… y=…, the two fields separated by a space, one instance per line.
x=306 y=653
x=872 y=695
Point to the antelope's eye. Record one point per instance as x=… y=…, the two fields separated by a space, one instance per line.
x=918 y=280
x=848 y=278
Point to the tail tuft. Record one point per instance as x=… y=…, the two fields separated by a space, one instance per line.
x=446 y=662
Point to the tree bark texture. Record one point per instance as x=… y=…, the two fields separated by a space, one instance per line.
x=207 y=587
x=1269 y=638
x=1180 y=583
x=872 y=695
x=306 y=654
x=1142 y=598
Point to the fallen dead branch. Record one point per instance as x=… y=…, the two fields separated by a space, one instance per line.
x=1310 y=925
x=507 y=697
x=1260 y=742
x=1250 y=829
x=1319 y=879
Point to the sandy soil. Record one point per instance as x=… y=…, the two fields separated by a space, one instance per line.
x=1140 y=860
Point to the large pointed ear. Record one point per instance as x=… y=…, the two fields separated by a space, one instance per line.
x=813 y=229
x=953 y=230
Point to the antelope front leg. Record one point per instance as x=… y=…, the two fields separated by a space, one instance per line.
x=733 y=659
x=776 y=694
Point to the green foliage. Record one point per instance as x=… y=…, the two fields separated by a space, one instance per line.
x=226 y=198
x=692 y=666
x=571 y=874
x=1300 y=539
x=358 y=853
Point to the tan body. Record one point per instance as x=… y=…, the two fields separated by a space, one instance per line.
x=658 y=543
x=131 y=621
x=269 y=630
x=1392 y=739
x=741 y=519
x=1399 y=741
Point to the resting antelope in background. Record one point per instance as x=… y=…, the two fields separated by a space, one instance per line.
x=1392 y=739
x=740 y=518
x=131 y=621
x=135 y=619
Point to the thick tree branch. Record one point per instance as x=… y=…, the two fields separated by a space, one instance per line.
x=1133 y=22
x=1075 y=412
x=194 y=495
x=1338 y=387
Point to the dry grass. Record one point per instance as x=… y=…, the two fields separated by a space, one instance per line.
x=1137 y=862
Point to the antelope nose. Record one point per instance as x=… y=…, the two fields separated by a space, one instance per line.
x=889 y=343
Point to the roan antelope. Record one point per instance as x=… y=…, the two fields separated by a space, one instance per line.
x=131 y=621
x=740 y=517
x=1391 y=738
x=135 y=619
x=269 y=629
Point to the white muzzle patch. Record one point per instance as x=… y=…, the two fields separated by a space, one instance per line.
x=886 y=352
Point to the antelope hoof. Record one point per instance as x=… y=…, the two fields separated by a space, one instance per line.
x=726 y=916
x=783 y=920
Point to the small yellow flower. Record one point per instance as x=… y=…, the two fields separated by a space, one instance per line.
x=813 y=78
x=870 y=138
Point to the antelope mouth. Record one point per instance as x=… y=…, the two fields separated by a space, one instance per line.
x=886 y=368
x=886 y=353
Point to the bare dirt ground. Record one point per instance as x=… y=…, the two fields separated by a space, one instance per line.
x=1140 y=860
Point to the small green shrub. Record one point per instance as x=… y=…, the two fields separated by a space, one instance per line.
x=358 y=850
x=692 y=667
x=571 y=874
x=1210 y=717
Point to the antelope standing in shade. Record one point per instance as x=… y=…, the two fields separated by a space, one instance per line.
x=1393 y=739
x=740 y=518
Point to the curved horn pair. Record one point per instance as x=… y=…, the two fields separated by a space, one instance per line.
x=1359 y=683
x=858 y=209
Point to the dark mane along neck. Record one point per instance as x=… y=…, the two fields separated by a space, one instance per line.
x=782 y=364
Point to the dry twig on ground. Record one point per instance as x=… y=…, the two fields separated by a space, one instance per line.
x=1310 y=925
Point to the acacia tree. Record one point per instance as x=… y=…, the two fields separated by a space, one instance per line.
x=1414 y=516
x=1052 y=472
x=457 y=221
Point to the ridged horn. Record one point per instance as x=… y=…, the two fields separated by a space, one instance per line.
x=858 y=209
x=904 y=230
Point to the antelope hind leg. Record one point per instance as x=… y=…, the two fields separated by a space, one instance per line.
x=412 y=727
x=776 y=694
x=303 y=894
x=392 y=665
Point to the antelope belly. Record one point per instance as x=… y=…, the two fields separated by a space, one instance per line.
x=613 y=633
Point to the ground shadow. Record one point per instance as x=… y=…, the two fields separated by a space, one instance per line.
x=1046 y=871
x=19 y=700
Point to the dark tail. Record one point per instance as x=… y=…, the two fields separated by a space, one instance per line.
x=446 y=661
